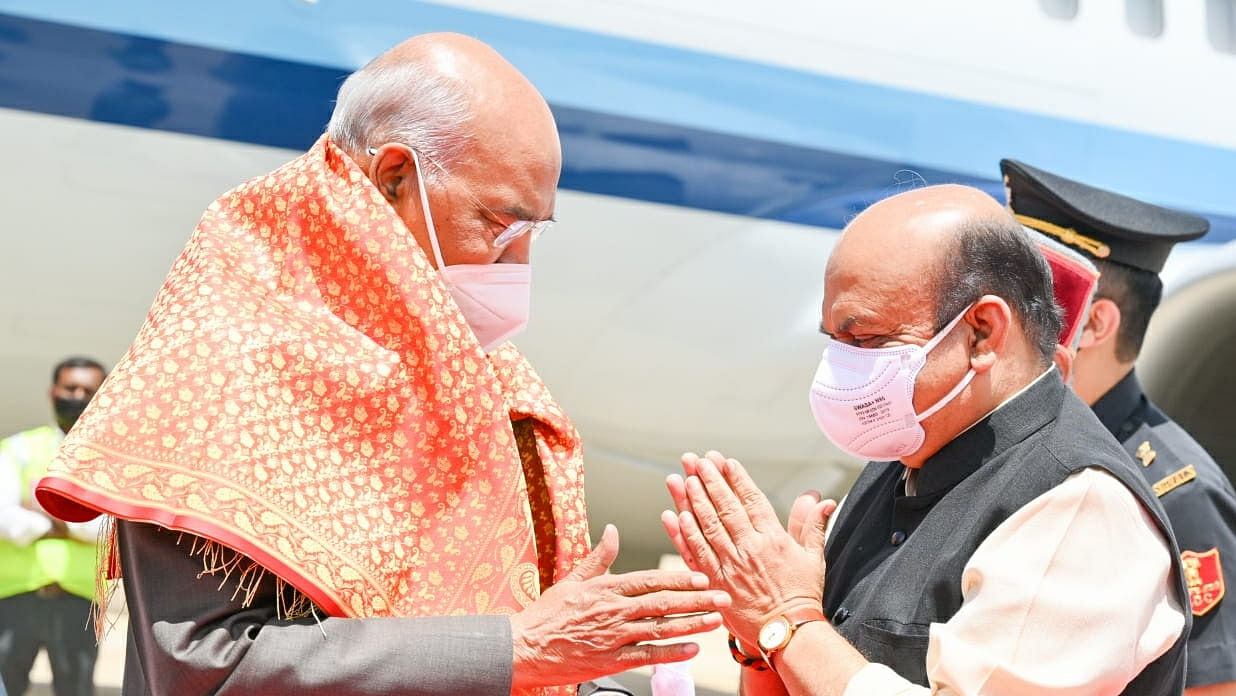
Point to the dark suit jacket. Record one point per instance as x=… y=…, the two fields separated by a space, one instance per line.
x=187 y=636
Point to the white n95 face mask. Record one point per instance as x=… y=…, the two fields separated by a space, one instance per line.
x=863 y=398
x=494 y=298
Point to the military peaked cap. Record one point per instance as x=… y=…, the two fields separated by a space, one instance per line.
x=1102 y=224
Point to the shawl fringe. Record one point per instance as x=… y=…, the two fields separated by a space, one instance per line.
x=219 y=560
x=106 y=578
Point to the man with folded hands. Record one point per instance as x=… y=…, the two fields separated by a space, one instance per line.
x=998 y=542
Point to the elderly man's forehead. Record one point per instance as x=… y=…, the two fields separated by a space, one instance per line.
x=875 y=299
x=888 y=257
x=880 y=286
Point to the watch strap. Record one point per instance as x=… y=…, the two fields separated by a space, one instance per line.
x=756 y=663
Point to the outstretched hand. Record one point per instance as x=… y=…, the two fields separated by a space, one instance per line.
x=593 y=624
x=727 y=529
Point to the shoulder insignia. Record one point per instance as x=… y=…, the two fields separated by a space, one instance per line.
x=1175 y=480
x=1204 y=576
x=1145 y=453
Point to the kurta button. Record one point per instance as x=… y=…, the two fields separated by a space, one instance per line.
x=840 y=616
x=898 y=537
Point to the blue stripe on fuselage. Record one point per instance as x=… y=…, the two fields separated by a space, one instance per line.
x=114 y=77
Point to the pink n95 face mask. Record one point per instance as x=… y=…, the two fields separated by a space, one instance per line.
x=494 y=298
x=863 y=398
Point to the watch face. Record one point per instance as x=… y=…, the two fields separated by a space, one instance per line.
x=774 y=633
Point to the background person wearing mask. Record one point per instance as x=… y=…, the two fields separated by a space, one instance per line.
x=47 y=567
x=321 y=412
x=999 y=542
x=1129 y=241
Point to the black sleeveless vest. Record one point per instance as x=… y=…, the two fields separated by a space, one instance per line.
x=895 y=562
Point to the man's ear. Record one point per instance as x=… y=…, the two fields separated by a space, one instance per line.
x=1102 y=323
x=391 y=167
x=992 y=319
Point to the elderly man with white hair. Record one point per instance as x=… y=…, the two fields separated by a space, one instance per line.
x=330 y=472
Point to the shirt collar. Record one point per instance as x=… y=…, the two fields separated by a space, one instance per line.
x=1117 y=406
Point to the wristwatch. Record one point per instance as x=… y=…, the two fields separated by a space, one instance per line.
x=777 y=632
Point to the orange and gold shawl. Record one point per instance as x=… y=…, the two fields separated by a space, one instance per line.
x=305 y=392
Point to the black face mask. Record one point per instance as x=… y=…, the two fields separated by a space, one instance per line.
x=68 y=411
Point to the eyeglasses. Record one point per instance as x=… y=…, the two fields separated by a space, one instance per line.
x=513 y=231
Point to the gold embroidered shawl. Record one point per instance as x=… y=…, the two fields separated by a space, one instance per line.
x=305 y=392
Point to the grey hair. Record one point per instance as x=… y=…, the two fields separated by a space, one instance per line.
x=995 y=256
x=401 y=102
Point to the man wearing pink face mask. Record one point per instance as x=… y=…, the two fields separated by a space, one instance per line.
x=331 y=474
x=999 y=542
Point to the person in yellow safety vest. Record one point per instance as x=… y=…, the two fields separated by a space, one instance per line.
x=47 y=567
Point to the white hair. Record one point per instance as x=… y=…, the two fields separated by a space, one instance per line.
x=407 y=103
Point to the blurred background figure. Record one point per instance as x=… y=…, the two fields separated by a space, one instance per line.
x=1129 y=241
x=47 y=567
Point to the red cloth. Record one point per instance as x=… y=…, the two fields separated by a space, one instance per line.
x=1074 y=280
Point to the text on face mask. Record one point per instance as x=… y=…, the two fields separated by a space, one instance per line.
x=869 y=412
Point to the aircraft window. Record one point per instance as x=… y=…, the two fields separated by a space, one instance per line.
x=1144 y=17
x=1060 y=9
x=1221 y=24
